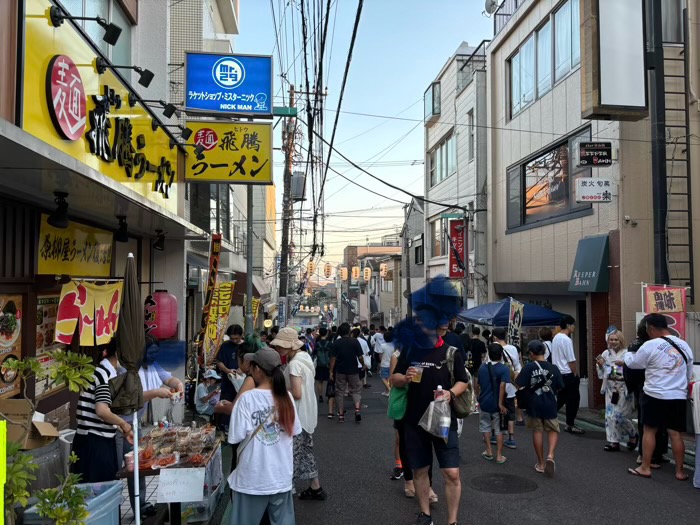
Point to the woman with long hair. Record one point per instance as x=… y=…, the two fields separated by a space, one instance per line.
x=263 y=423
x=619 y=401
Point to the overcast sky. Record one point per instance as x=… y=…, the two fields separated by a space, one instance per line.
x=401 y=46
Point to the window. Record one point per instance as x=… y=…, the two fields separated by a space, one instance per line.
x=110 y=11
x=438 y=239
x=472 y=136
x=418 y=254
x=387 y=285
x=544 y=59
x=432 y=101
x=543 y=186
x=672 y=21
x=552 y=52
x=443 y=160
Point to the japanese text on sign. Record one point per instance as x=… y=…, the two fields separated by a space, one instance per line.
x=233 y=152
x=78 y=250
x=597 y=154
x=181 y=485
x=668 y=301
x=457 y=249
x=92 y=308
x=66 y=96
x=594 y=190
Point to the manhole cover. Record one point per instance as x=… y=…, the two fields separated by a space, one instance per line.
x=503 y=484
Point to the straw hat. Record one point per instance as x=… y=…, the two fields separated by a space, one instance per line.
x=287 y=338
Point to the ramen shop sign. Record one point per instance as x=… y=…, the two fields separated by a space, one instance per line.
x=65 y=94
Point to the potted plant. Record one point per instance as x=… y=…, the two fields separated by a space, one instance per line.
x=71 y=369
x=64 y=504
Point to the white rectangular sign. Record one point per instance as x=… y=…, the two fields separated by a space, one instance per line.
x=181 y=485
x=597 y=189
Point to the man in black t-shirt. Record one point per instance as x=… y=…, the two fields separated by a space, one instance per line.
x=422 y=371
x=346 y=356
x=227 y=360
x=477 y=349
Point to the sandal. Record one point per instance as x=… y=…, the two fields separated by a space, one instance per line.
x=684 y=477
x=433 y=498
x=319 y=495
x=502 y=460
x=549 y=467
x=487 y=456
x=573 y=430
x=635 y=472
x=539 y=468
x=409 y=493
x=341 y=418
x=612 y=447
x=632 y=444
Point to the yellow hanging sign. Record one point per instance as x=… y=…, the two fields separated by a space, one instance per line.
x=234 y=152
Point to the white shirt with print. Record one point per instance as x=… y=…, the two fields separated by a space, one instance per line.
x=667 y=375
x=514 y=360
x=386 y=350
x=563 y=353
x=266 y=464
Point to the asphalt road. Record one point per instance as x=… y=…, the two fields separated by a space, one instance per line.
x=590 y=487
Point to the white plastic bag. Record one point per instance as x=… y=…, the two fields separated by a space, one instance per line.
x=437 y=419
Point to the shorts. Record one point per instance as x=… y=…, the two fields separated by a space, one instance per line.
x=542 y=425
x=489 y=421
x=420 y=445
x=668 y=413
x=510 y=405
x=249 y=508
x=323 y=373
x=362 y=373
x=384 y=372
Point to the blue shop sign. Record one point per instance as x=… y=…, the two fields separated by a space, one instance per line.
x=230 y=84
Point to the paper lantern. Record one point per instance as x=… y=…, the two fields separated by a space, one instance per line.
x=311 y=267
x=327 y=270
x=343 y=274
x=160 y=315
x=383 y=269
x=355 y=273
x=367 y=273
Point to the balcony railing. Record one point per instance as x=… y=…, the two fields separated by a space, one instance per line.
x=504 y=13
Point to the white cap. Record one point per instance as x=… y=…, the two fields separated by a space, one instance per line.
x=211 y=374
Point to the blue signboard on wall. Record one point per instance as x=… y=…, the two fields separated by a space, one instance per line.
x=231 y=84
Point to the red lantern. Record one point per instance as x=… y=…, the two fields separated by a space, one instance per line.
x=160 y=315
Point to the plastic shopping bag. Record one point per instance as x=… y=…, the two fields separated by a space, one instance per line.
x=437 y=419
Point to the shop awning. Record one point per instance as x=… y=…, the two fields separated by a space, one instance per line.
x=590 y=272
x=32 y=170
x=496 y=314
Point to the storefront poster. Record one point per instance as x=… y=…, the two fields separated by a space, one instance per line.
x=234 y=152
x=515 y=321
x=91 y=308
x=10 y=342
x=457 y=249
x=218 y=319
x=93 y=118
x=669 y=301
x=212 y=277
x=46 y=315
x=78 y=251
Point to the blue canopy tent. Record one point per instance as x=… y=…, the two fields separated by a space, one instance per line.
x=496 y=314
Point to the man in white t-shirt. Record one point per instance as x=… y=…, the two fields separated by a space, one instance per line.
x=366 y=358
x=564 y=358
x=512 y=360
x=385 y=351
x=668 y=364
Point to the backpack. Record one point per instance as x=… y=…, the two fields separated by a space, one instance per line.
x=465 y=403
x=323 y=354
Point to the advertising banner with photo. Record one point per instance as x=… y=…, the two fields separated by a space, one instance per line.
x=10 y=342
x=219 y=312
x=92 y=309
x=669 y=301
x=515 y=322
x=46 y=315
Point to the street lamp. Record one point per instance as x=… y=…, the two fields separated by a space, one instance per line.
x=112 y=31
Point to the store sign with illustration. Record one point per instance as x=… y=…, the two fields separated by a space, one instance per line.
x=231 y=84
x=11 y=321
x=594 y=189
x=234 y=152
x=91 y=116
x=78 y=250
x=90 y=308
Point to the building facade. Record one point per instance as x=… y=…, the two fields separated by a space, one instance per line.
x=413 y=255
x=539 y=230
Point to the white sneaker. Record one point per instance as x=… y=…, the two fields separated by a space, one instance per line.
x=385 y=394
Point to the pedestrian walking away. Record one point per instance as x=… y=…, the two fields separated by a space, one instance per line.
x=346 y=355
x=511 y=358
x=541 y=380
x=493 y=378
x=564 y=358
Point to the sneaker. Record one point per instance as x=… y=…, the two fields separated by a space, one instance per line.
x=358 y=416
x=341 y=418
x=510 y=443
x=311 y=494
x=397 y=473
x=423 y=519
x=385 y=394
x=367 y=386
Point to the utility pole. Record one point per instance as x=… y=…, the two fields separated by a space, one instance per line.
x=407 y=258
x=288 y=140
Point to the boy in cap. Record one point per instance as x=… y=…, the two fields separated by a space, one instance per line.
x=542 y=379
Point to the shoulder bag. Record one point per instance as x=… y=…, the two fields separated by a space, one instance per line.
x=465 y=403
x=243 y=444
x=397 y=403
x=524 y=395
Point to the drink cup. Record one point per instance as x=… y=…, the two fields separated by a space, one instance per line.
x=418 y=375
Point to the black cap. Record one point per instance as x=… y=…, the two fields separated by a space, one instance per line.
x=536 y=347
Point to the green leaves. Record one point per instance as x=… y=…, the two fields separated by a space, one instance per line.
x=72 y=369
x=66 y=504
x=20 y=473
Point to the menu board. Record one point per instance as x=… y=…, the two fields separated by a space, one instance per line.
x=47 y=307
x=10 y=342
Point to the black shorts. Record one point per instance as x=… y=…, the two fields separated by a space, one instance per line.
x=509 y=403
x=323 y=373
x=420 y=445
x=664 y=413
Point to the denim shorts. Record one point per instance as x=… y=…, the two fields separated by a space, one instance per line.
x=384 y=372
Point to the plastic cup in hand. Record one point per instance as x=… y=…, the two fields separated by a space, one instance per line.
x=418 y=375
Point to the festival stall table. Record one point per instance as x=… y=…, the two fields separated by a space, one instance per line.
x=191 y=480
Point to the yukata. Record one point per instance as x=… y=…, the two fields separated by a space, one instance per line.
x=618 y=416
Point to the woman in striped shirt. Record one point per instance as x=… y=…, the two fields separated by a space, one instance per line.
x=94 y=441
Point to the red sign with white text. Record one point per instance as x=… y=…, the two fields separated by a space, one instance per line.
x=66 y=95
x=458 y=247
x=669 y=301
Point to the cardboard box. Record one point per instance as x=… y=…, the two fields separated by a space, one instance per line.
x=20 y=410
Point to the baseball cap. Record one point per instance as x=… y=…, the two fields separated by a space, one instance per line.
x=536 y=347
x=265 y=358
x=211 y=374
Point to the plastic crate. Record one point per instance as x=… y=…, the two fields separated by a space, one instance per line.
x=204 y=510
x=103 y=504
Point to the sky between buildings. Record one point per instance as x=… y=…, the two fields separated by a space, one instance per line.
x=401 y=46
